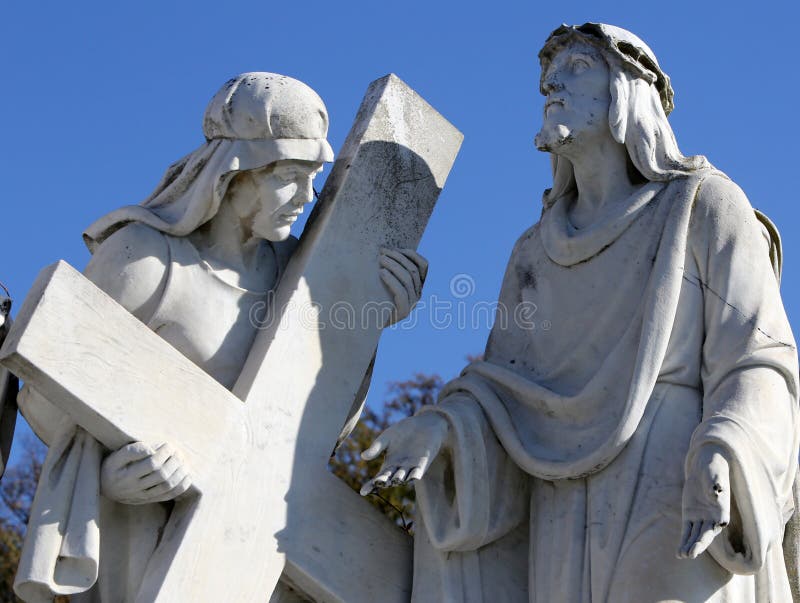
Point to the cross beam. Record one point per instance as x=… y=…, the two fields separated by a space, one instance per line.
x=262 y=501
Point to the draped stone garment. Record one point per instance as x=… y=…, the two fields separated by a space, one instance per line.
x=656 y=330
x=82 y=544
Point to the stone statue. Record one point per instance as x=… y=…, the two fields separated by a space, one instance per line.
x=192 y=262
x=644 y=447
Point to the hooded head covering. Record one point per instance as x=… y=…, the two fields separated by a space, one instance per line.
x=254 y=120
x=633 y=54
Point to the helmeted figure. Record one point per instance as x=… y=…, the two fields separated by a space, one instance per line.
x=643 y=446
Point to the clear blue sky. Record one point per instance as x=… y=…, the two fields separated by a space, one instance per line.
x=98 y=98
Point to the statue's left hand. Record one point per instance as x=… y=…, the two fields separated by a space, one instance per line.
x=403 y=271
x=706 y=501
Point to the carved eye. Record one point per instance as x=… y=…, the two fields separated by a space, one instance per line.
x=285 y=177
x=579 y=65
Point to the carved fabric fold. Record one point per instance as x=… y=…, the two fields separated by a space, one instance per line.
x=62 y=548
x=192 y=188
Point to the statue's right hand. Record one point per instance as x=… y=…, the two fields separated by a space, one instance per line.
x=139 y=474
x=410 y=445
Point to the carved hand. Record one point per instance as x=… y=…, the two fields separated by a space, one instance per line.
x=403 y=272
x=410 y=445
x=706 y=501
x=139 y=474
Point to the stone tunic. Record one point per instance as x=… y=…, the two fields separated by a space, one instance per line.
x=210 y=321
x=214 y=325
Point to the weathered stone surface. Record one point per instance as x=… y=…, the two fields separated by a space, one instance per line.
x=634 y=435
x=258 y=468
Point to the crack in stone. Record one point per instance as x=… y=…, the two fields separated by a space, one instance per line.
x=691 y=278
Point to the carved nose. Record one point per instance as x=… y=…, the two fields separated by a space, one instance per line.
x=550 y=83
x=305 y=192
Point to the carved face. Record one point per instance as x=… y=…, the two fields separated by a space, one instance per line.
x=576 y=87
x=270 y=199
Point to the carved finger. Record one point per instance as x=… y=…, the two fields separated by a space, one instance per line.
x=402 y=274
x=182 y=488
x=126 y=455
x=708 y=531
x=368 y=488
x=420 y=261
x=398 y=477
x=415 y=474
x=157 y=492
x=418 y=471
x=398 y=291
x=695 y=532
x=162 y=474
x=409 y=266
x=687 y=531
x=411 y=285
x=153 y=462
x=378 y=446
x=383 y=477
x=174 y=492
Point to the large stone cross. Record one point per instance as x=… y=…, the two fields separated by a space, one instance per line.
x=262 y=501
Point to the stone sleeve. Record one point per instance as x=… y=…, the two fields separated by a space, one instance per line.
x=473 y=493
x=749 y=374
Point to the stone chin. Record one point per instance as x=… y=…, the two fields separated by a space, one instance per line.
x=552 y=137
x=275 y=235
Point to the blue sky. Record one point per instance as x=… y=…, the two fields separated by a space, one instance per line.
x=99 y=98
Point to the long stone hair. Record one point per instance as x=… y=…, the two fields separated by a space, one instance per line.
x=638 y=120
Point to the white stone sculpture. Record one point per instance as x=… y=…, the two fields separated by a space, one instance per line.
x=644 y=447
x=192 y=262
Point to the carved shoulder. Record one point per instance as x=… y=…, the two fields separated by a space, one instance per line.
x=722 y=208
x=131 y=266
x=725 y=233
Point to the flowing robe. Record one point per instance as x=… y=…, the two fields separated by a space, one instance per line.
x=656 y=330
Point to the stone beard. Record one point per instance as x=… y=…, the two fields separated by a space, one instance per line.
x=645 y=447
x=552 y=137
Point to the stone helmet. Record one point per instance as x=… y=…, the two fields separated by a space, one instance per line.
x=261 y=106
x=254 y=120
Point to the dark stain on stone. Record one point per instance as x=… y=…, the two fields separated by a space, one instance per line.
x=526 y=278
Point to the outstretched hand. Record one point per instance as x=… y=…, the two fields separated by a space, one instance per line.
x=706 y=501
x=410 y=445
x=403 y=272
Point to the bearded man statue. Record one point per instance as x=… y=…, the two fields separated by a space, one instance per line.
x=645 y=447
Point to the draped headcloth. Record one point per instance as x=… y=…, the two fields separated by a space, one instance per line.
x=254 y=120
